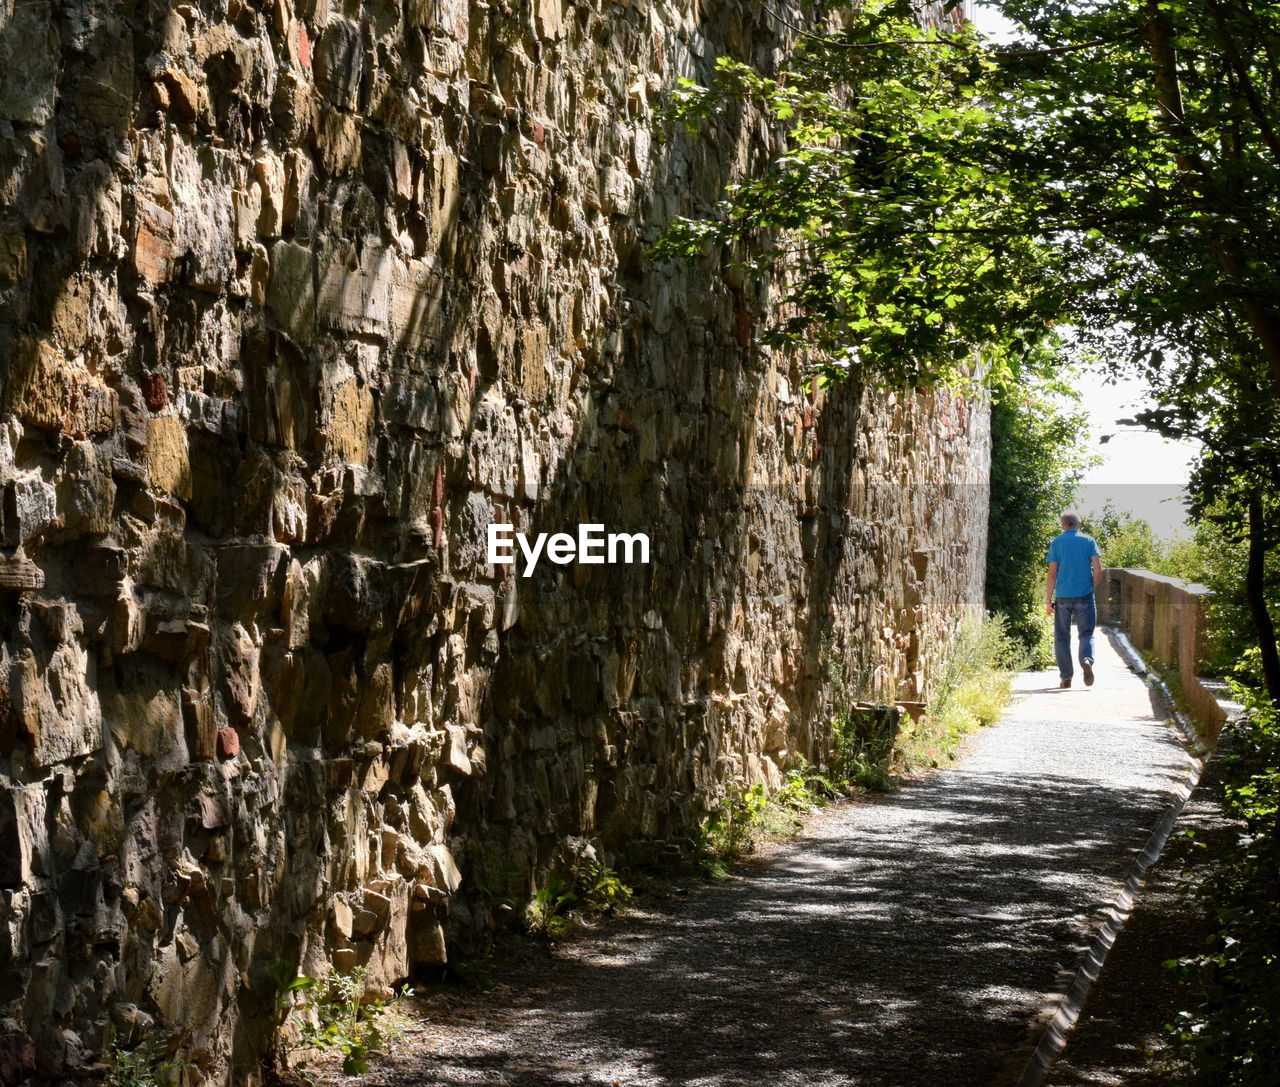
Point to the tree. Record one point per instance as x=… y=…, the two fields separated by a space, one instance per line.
x=944 y=203
x=1125 y=539
x=1035 y=469
x=1186 y=559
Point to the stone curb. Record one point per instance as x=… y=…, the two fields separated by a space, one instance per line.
x=1053 y=1040
x=1190 y=734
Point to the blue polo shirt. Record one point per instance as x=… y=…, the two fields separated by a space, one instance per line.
x=1073 y=551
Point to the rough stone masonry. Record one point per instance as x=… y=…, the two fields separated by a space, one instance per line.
x=296 y=298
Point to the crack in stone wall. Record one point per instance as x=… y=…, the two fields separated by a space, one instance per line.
x=295 y=299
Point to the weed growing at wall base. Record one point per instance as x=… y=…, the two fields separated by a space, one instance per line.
x=547 y=914
x=861 y=740
x=750 y=815
x=860 y=758
x=593 y=890
x=601 y=889
x=145 y=1065
x=338 y=1017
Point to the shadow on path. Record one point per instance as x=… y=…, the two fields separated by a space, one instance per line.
x=909 y=940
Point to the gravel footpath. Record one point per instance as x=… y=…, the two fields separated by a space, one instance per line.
x=910 y=940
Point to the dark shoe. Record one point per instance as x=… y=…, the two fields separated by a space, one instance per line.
x=1065 y=683
x=1087 y=668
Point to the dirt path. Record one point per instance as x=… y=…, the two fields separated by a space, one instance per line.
x=911 y=940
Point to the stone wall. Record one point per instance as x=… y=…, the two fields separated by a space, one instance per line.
x=295 y=298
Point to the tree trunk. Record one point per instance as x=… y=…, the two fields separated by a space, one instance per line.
x=1256 y=597
x=1262 y=319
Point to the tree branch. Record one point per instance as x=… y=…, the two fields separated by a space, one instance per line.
x=1017 y=54
x=1236 y=62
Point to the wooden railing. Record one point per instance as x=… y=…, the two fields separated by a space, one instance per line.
x=1164 y=618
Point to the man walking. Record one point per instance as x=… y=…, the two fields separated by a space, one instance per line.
x=1075 y=571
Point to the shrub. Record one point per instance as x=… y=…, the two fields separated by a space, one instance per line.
x=1230 y=1036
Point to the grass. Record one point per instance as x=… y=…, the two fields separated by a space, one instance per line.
x=972 y=692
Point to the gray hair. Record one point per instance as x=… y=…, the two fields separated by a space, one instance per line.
x=1070 y=519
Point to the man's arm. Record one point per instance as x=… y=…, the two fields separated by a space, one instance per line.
x=1050 y=582
x=1097 y=573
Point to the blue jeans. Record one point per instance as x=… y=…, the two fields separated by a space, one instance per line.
x=1084 y=611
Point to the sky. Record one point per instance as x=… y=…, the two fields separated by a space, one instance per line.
x=989 y=21
x=1138 y=471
